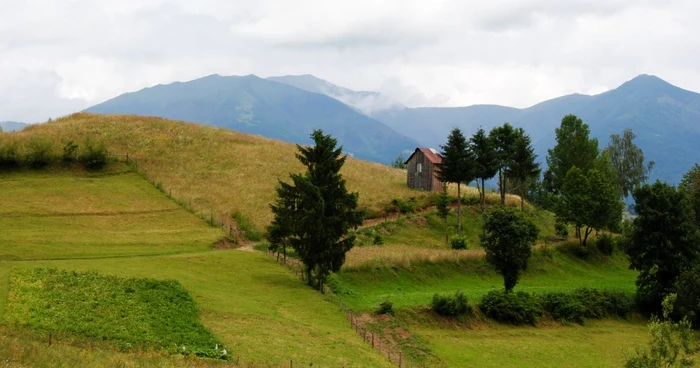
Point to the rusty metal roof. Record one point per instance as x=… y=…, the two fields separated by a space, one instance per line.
x=432 y=155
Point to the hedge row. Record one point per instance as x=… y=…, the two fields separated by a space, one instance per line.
x=38 y=152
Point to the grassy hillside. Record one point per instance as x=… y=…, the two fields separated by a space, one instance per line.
x=259 y=310
x=217 y=169
x=69 y=214
x=414 y=283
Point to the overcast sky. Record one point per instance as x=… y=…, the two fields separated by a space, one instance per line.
x=57 y=57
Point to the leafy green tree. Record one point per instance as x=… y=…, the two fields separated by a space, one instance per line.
x=672 y=345
x=628 y=161
x=508 y=239
x=522 y=167
x=573 y=148
x=457 y=166
x=399 y=162
x=503 y=139
x=485 y=162
x=664 y=241
x=589 y=200
x=443 y=208
x=687 y=287
x=315 y=211
x=690 y=184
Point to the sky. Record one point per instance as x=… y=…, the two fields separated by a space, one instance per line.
x=58 y=57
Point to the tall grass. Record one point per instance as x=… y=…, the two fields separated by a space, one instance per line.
x=218 y=170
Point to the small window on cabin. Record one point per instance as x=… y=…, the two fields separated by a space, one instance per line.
x=420 y=168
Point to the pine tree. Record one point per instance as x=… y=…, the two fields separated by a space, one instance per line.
x=315 y=212
x=485 y=162
x=457 y=166
x=522 y=166
x=502 y=138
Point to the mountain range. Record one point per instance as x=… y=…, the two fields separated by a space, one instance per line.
x=254 y=105
x=372 y=126
x=11 y=126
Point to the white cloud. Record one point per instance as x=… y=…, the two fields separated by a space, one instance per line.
x=58 y=57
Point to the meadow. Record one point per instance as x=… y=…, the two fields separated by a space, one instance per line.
x=114 y=223
x=260 y=311
x=219 y=171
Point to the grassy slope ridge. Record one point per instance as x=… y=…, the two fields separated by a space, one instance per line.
x=217 y=169
x=78 y=214
x=259 y=310
x=414 y=284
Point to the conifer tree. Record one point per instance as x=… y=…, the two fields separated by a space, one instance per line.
x=485 y=162
x=315 y=211
x=457 y=166
x=522 y=167
x=503 y=139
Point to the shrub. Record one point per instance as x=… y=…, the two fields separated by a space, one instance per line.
x=599 y=304
x=386 y=307
x=404 y=207
x=471 y=200
x=70 y=152
x=687 y=287
x=458 y=242
x=560 y=229
x=563 y=307
x=9 y=152
x=95 y=155
x=446 y=305
x=377 y=240
x=514 y=308
x=605 y=244
x=39 y=152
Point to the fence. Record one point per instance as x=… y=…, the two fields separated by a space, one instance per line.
x=223 y=221
x=385 y=346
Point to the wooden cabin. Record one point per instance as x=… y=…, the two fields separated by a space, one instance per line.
x=422 y=170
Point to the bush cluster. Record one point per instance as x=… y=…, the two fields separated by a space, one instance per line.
x=458 y=242
x=451 y=305
x=517 y=308
x=38 y=152
x=523 y=308
x=386 y=307
x=605 y=244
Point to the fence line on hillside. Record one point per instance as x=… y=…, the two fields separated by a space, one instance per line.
x=227 y=225
x=372 y=337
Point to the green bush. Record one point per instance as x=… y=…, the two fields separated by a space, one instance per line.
x=70 y=152
x=563 y=307
x=605 y=244
x=560 y=229
x=599 y=304
x=458 y=242
x=405 y=207
x=447 y=305
x=39 y=152
x=95 y=155
x=386 y=307
x=515 y=308
x=470 y=200
x=377 y=240
x=9 y=153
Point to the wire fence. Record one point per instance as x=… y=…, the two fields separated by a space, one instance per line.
x=222 y=221
x=360 y=324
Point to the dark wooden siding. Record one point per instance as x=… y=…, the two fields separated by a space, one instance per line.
x=425 y=179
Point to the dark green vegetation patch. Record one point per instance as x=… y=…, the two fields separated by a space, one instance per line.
x=127 y=312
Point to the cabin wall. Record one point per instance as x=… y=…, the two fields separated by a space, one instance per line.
x=424 y=180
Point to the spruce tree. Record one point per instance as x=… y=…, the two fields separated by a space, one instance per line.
x=315 y=211
x=503 y=139
x=485 y=162
x=457 y=166
x=522 y=166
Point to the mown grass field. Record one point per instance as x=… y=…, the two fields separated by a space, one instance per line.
x=414 y=284
x=259 y=310
x=597 y=344
x=77 y=214
x=219 y=170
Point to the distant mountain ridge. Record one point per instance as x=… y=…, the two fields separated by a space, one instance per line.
x=12 y=126
x=254 y=105
x=366 y=102
x=665 y=118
